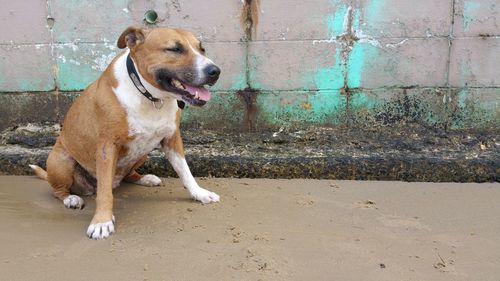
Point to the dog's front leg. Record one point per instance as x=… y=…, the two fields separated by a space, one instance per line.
x=174 y=151
x=102 y=225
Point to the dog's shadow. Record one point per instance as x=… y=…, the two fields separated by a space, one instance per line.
x=130 y=201
x=144 y=194
x=131 y=196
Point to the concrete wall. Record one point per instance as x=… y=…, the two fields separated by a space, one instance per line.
x=284 y=62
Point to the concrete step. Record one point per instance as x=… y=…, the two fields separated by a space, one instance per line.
x=407 y=153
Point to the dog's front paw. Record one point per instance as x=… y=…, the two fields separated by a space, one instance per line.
x=73 y=202
x=149 y=180
x=101 y=230
x=205 y=196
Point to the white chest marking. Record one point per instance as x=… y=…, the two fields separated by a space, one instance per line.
x=147 y=125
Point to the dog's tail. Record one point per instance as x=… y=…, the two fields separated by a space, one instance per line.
x=41 y=173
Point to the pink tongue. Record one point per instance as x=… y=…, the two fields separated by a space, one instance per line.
x=203 y=93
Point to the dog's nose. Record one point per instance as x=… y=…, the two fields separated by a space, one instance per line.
x=212 y=71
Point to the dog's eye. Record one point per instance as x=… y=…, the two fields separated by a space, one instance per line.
x=175 y=49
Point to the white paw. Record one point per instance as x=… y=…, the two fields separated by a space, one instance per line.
x=205 y=196
x=73 y=202
x=149 y=180
x=101 y=230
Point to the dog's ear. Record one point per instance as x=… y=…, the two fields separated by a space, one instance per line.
x=131 y=37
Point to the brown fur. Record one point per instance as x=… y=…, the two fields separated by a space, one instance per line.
x=134 y=176
x=95 y=129
x=94 y=133
x=150 y=55
x=39 y=172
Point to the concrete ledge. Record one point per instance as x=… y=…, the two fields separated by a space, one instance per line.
x=408 y=154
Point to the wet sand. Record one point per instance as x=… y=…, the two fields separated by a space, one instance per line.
x=261 y=230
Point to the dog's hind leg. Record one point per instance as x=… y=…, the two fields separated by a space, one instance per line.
x=60 y=169
x=146 y=180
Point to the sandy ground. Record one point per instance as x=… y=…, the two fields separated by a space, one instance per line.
x=262 y=230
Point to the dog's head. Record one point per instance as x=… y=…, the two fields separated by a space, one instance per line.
x=172 y=60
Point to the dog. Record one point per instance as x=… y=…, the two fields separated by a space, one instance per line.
x=133 y=107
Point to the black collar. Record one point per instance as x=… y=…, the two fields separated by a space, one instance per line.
x=134 y=76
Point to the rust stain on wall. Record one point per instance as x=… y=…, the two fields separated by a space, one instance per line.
x=249 y=96
x=250 y=17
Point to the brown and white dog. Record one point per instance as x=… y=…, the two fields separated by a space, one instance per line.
x=120 y=118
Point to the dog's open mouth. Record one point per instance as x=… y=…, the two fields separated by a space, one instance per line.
x=194 y=95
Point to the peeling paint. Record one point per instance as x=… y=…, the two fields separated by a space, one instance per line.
x=328 y=78
x=320 y=107
x=344 y=29
x=337 y=23
x=74 y=62
x=111 y=45
x=102 y=62
x=77 y=69
x=350 y=48
x=72 y=78
x=239 y=82
x=62 y=58
x=396 y=45
x=476 y=108
x=72 y=45
x=470 y=6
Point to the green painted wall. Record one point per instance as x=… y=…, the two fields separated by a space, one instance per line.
x=329 y=62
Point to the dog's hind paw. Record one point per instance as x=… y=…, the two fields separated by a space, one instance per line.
x=73 y=202
x=149 y=180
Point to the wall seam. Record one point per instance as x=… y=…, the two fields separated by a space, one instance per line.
x=447 y=123
x=54 y=68
x=450 y=38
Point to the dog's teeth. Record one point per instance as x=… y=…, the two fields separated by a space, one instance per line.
x=196 y=95
x=177 y=84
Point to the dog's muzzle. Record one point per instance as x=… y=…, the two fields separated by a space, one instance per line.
x=187 y=86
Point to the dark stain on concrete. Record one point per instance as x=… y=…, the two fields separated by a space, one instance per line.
x=20 y=108
x=486 y=35
x=405 y=108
